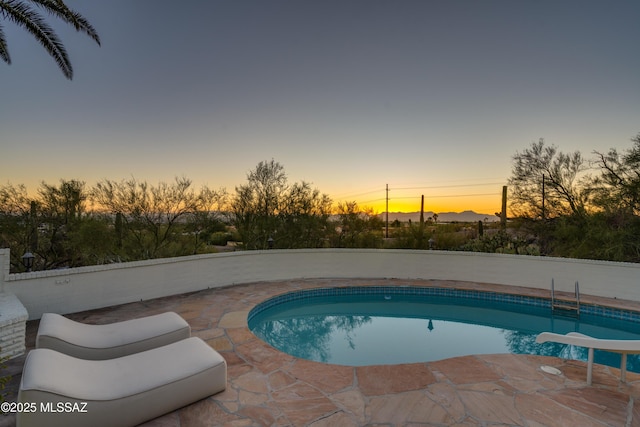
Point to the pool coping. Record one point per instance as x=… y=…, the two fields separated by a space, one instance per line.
x=610 y=311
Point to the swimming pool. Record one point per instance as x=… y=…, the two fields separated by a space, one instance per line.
x=370 y=325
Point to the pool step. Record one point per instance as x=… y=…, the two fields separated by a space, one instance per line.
x=567 y=307
x=564 y=305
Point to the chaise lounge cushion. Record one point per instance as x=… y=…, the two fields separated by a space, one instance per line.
x=118 y=392
x=99 y=342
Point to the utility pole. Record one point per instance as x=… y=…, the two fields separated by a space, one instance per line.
x=421 y=230
x=386 y=233
x=503 y=214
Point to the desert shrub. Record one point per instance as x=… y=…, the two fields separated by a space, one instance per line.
x=220 y=238
x=502 y=242
x=450 y=241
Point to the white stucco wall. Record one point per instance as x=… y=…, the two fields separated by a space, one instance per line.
x=72 y=290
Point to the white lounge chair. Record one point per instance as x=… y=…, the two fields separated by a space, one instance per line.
x=99 y=342
x=60 y=390
x=623 y=347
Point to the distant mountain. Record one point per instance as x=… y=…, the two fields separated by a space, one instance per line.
x=466 y=216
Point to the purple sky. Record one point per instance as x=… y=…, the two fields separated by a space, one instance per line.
x=434 y=97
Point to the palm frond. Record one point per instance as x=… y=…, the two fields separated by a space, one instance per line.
x=4 y=51
x=23 y=15
x=62 y=11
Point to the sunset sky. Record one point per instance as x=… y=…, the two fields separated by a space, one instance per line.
x=432 y=98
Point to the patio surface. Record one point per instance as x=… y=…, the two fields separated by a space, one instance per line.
x=269 y=388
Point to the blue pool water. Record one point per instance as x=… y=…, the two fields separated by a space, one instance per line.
x=372 y=325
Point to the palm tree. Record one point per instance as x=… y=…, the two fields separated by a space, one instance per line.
x=24 y=14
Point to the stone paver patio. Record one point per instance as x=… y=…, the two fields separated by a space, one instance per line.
x=269 y=388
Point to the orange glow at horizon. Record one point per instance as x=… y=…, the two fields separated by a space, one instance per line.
x=479 y=196
x=479 y=204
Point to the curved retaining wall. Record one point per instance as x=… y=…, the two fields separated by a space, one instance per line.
x=73 y=290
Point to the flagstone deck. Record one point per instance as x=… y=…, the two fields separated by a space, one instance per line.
x=269 y=388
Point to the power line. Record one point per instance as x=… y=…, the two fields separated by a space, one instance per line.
x=426 y=188
x=371 y=201
x=433 y=197
x=346 y=195
x=449 y=195
x=448 y=186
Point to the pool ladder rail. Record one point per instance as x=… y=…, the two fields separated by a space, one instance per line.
x=566 y=305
